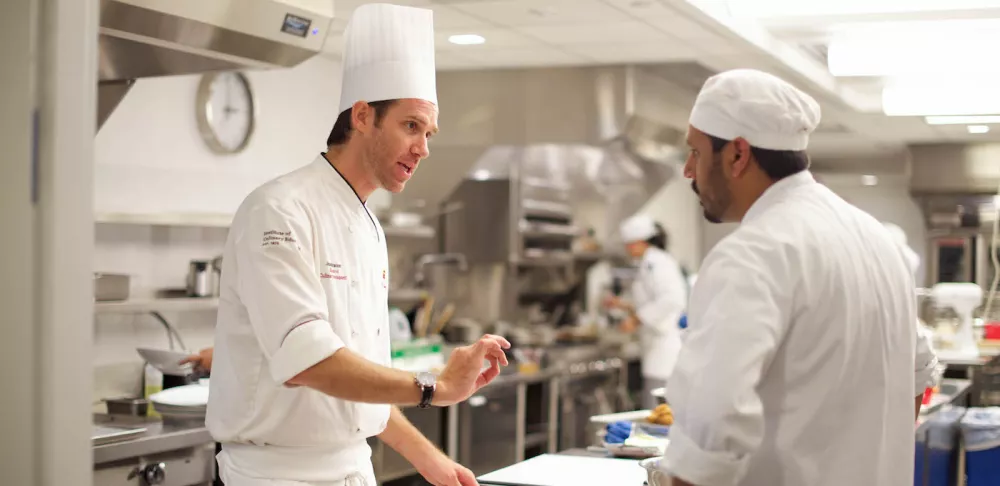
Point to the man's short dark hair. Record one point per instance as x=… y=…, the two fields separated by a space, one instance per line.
x=341 y=132
x=777 y=164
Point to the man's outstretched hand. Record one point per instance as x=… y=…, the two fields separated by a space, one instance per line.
x=463 y=374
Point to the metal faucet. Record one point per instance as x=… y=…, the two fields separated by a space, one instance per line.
x=438 y=258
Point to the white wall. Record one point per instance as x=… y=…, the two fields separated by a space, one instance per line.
x=676 y=207
x=150 y=159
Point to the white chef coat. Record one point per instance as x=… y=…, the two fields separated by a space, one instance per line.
x=660 y=297
x=798 y=362
x=304 y=274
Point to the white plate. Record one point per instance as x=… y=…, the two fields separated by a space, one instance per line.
x=636 y=416
x=166 y=361
x=182 y=396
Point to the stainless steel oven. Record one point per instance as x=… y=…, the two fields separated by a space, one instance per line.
x=961 y=257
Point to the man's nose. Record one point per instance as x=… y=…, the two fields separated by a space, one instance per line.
x=421 y=149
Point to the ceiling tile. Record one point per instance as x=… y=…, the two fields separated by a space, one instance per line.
x=537 y=12
x=538 y=56
x=452 y=60
x=496 y=38
x=633 y=52
x=643 y=9
x=445 y=17
x=452 y=18
x=613 y=32
x=683 y=27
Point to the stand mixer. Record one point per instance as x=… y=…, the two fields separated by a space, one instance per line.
x=963 y=298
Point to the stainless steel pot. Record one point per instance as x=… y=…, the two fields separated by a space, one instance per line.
x=199 y=278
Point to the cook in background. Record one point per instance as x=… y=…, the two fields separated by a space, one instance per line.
x=927 y=360
x=301 y=374
x=659 y=297
x=798 y=361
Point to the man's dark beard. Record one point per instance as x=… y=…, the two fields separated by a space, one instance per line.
x=709 y=217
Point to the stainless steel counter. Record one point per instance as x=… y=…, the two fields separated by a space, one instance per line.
x=159 y=437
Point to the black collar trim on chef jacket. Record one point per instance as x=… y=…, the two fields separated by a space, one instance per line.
x=370 y=218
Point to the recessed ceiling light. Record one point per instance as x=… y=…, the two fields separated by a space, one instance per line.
x=466 y=39
x=962 y=120
x=481 y=175
x=978 y=128
x=869 y=180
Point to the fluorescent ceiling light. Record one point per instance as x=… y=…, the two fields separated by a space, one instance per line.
x=466 y=39
x=869 y=180
x=927 y=97
x=810 y=8
x=978 y=129
x=914 y=48
x=962 y=120
x=481 y=175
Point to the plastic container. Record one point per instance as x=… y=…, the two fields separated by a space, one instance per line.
x=937 y=448
x=152 y=384
x=981 y=432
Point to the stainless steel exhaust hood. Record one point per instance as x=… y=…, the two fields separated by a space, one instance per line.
x=150 y=38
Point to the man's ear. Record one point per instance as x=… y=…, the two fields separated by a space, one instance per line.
x=362 y=117
x=742 y=156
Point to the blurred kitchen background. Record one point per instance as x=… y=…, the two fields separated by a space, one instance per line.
x=559 y=118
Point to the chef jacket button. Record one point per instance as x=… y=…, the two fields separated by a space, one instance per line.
x=359 y=429
x=378 y=332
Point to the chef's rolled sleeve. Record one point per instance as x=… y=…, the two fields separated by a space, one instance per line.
x=737 y=319
x=281 y=288
x=304 y=346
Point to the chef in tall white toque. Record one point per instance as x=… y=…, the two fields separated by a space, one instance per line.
x=301 y=374
x=798 y=361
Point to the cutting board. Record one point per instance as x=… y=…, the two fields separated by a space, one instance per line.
x=560 y=470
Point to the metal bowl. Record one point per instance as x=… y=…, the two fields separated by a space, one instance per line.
x=654 y=475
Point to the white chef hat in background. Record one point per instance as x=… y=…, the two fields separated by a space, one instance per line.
x=638 y=228
x=765 y=110
x=388 y=54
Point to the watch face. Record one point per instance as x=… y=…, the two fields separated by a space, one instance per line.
x=426 y=379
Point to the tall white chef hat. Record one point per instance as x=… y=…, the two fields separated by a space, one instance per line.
x=638 y=228
x=388 y=54
x=899 y=238
x=765 y=110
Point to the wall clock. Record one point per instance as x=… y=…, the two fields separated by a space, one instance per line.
x=226 y=111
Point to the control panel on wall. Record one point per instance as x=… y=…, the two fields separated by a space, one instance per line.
x=226 y=111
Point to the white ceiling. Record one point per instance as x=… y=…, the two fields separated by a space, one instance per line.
x=534 y=33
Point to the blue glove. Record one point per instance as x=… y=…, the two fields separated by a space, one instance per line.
x=617 y=432
x=683 y=323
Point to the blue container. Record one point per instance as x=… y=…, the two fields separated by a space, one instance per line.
x=981 y=431
x=937 y=448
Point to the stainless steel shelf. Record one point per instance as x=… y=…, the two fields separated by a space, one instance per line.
x=141 y=306
x=407 y=296
x=408 y=232
x=223 y=220
x=210 y=220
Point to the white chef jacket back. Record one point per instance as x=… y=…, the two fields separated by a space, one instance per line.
x=660 y=296
x=798 y=362
x=304 y=274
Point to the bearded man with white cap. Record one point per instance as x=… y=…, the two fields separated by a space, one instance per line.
x=798 y=362
x=301 y=374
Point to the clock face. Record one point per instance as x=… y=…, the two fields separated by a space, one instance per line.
x=226 y=111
